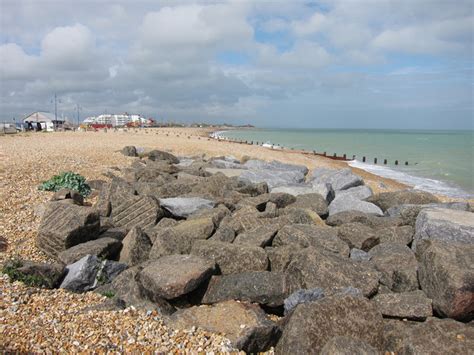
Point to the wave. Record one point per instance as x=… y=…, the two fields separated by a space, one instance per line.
x=419 y=183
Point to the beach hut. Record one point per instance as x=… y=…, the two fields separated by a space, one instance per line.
x=47 y=120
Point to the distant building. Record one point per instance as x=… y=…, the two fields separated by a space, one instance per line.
x=47 y=120
x=116 y=120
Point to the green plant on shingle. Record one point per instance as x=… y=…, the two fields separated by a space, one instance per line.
x=108 y=294
x=11 y=270
x=67 y=180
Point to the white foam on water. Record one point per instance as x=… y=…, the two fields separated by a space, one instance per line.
x=420 y=183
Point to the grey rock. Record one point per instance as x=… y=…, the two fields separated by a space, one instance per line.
x=385 y=200
x=217 y=214
x=66 y=225
x=359 y=255
x=446 y=275
x=409 y=212
x=359 y=192
x=314 y=202
x=445 y=225
x=364 y=218
x=96 y=184
x=136 y=211
x=185 y=206
x=81 y=275
x=342 y=345
x=111 y=193
x=109 y=271
x=302 y=296
x=263 y=287
x=68 y=194
x=231 y=258
x=245 y=325
x=225 y=164
x=274 y=165
x=129 y=151
x=273 y=178
x=349 y=203
x=319 y=237
x=280 y=199
x=325 y=190
x=136 y=247
x=401 y=234
x=161 y=155
x=397 y=265
x=313 y=324
x=174 y=275
x=259 y=237
x=224 y=234
x=358 y=235
x=341 y=179
x=407 y=305
x=179 y=239
x=105 y=248
x=312 y=268
x=439 y=336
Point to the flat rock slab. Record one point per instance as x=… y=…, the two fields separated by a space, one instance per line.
x=446 y=274
x=66 y=225
x=311 y=268
x=343 y=345
x=312 y=201
x=231 y=258
x=410 y=305
x=245 y=325
x=263 y=287
x=386 y=200
x=313 y=324
x=105 y=248
x=359 y=192
x=136 y=247
x=274 y=165
x=349 y=203
x=185 y=206
x=136 y=211
x=174 y=275
x=340 y=179
x=444 y=224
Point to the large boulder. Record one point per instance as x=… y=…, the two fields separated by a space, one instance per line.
x=394 y=234
x=325 y=190
x=274 y=165
x=136 y=247
x=439 y=336
x=409 y=212
x=445 y=225
x=34 y=273
x=296 y=215
x=263 y=287
x=312 y=201
x=359 y=192
x=184 y=206
x=129 y=151
x=112 y=193
x=385 y=200
x=312 y=268
x=305 y=235
x=217 y=214
x=259 y=237
x=446 y=274
x=231 y=258
x=406 y=305
x=245 y=325
x=343 y=345
x=340 y=179
x=179 y=239
x=280 y=257
x=364 y=218
x=313 y=324
x=174 y=275
x=156 y=154
x=349 y=203
x=105 y=248
x=273 y=178
x=136 y=211
x=397 y=265
x=358 y=235
x=65 y=225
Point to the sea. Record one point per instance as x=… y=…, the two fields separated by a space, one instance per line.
x=440 y=162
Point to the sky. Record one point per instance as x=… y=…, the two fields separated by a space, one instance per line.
x=405 y=64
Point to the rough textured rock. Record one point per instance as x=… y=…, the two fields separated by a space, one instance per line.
x=295 y=215
x=68 y=194
x=161 y=155
x=397 y=265
x=179 y=239
x=364 y=218
x=245 y=325
x=311 y=268
x=217 y=214
x=136 y=247
x=66 y=225
x=81 y=275
x=303 y=235
x=439 y=336
x=385 y=200
x=341 y=179
x=231 y=258
x=409 y=212
x=224 y=234
x=349 y=203
x=312 y=201
x=302 y=296
x=280 y=257
x=446 y=274
x=129 y=151
x=263 y=287
x=105 y=248
x=359 y=192
x=275 y=166
x=342 y=345
x=185 y=206
x=445 y=225
x=401 y=234
x=313 y=324
x=410 y=305
x=112 y=193
x=40 y=274
x=174 y=275
x=358 y=235
x=325 y=190
x=114 y=233
x=359 y=255
x=240 y=223
x=136 y=211
x=395 y=331
x=258 y=237
x=273 y=178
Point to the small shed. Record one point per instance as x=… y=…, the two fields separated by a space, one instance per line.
x=47 y=120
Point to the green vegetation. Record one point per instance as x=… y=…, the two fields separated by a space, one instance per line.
x=11 y=269
x=67 y=180
x=108 y=294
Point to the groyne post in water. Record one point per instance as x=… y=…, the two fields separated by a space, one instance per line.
x=363 y=159
x=406 y=163
x=344 y=156
x=396 y=162
x=385 y=161
x=324 y=153
x=375 y=160
x=353 y=157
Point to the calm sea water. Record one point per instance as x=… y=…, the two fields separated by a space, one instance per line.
x=439 y=161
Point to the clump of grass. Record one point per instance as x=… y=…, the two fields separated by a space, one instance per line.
x=67 y=180
x=11 y=269
x=108 y=294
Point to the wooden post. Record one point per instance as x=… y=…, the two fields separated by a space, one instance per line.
x=353 y=157
x=334 y=155
x=344 y=156
x=385 y=161
x=363 y=159
x=406 y=163
x=375 y=160
x=396 y=162
x=324 y=153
